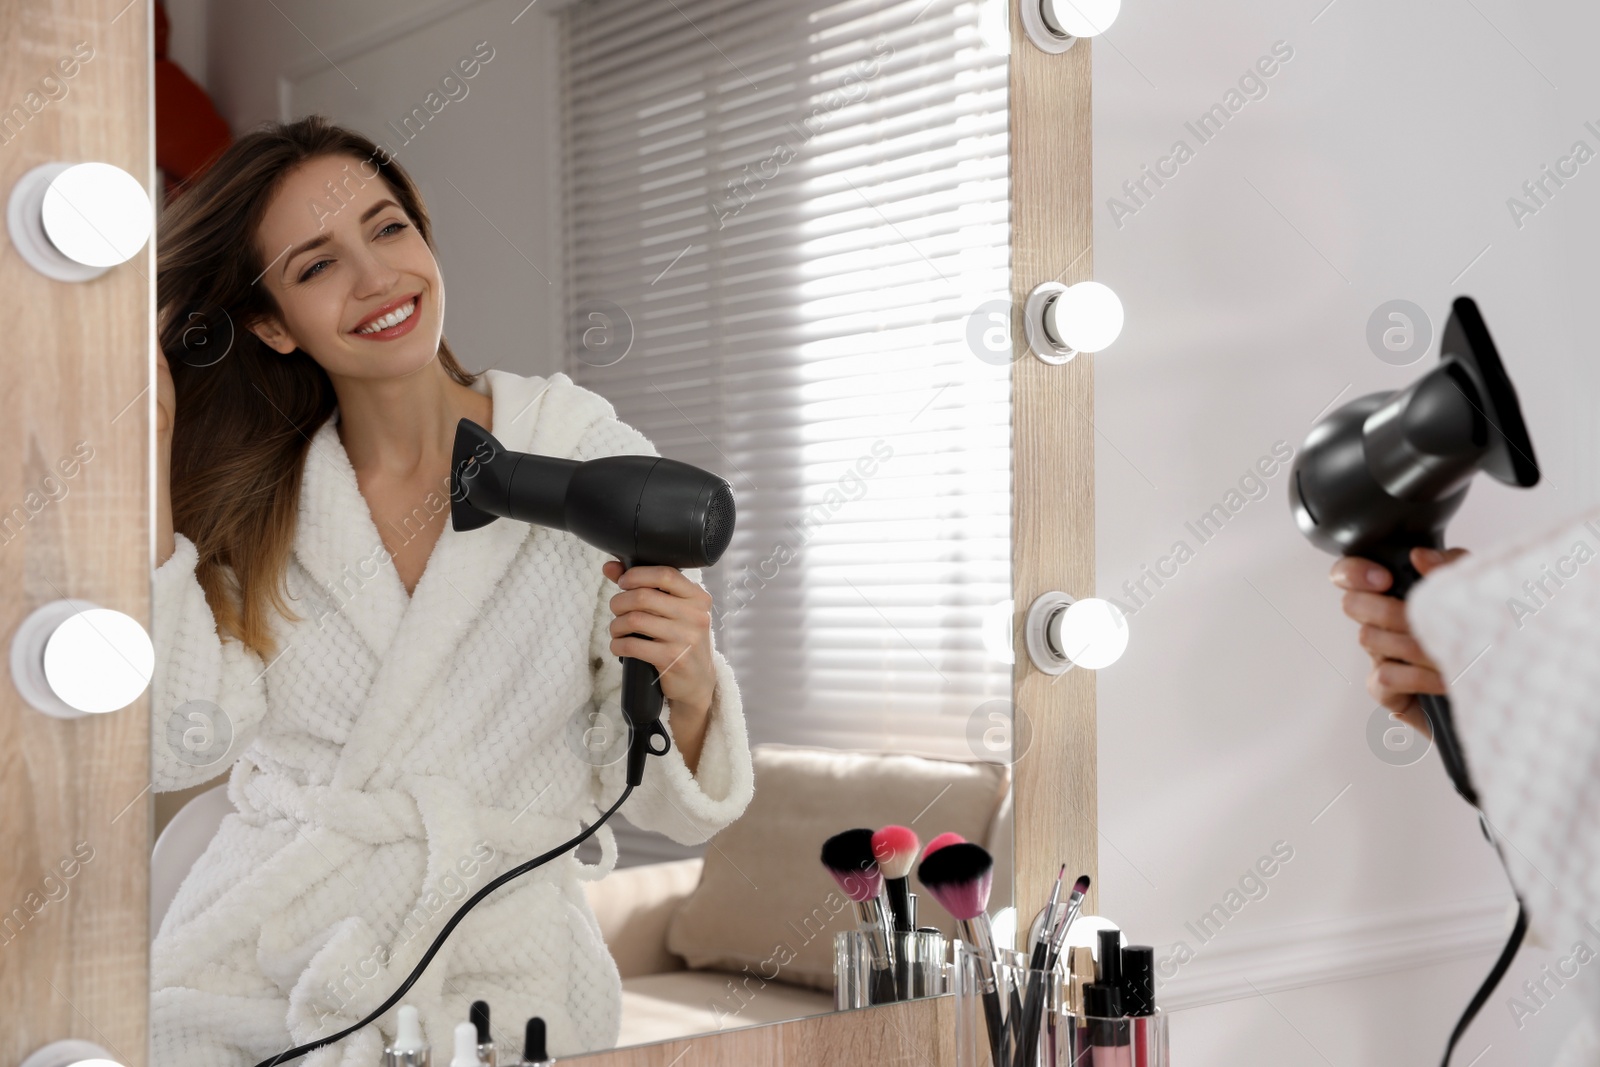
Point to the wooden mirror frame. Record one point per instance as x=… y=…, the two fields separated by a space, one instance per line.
x=79 y=967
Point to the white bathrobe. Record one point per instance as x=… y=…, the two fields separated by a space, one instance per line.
x=1516 y=634
x=395 y=755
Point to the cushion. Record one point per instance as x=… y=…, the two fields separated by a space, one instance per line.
x=765 y=902
x=633 y=906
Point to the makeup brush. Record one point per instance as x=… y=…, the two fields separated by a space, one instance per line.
x=959 y=876
x=1040 y=935
x=940 y=842
x=895 y=849
x=848 y=857
x=1074 y=905
x=1045 y=952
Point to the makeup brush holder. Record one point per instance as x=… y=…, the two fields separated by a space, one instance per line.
x=860 y=981
x=1063 y=1036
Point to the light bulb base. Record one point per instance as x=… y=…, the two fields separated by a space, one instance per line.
x=1041 y=30
x=25 y=222
x=1043 y=617
x=1042 y=341
x=27 y=657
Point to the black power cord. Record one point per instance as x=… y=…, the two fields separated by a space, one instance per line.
x=1507 y=954
x=438 y=942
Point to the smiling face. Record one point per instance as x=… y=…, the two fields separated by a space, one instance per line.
x=336 y=269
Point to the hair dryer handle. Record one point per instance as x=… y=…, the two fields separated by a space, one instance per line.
x=641 y=705
x=1397 y=560
x=1442 y=722
x=1441 y=719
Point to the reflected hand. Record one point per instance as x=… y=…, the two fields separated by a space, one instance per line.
x=166 y=398
x=1400 y=668
x=661 y=603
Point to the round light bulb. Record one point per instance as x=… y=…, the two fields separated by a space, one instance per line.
x=97 y=214
x=1086 y=317
x=997 y=629
x=71 y=1053
x=1005 y=928
x=1092 y=633
x=1081 y=18
x=99 y=660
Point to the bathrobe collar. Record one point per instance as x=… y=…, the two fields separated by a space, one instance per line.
x=414 y=638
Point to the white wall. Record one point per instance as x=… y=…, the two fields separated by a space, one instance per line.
x=1377 y=166
x=186 y=36
x=488 y=162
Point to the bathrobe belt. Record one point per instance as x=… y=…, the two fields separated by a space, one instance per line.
x=426 y=809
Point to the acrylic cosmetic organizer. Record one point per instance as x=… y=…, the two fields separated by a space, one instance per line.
x=1065 y=1035
x=919 y=969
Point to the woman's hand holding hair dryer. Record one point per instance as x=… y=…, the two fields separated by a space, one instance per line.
x=1400 y=668
x=664 y=605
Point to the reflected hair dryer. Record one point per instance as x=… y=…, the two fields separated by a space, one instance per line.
x=645 y=510
x=1384 y=474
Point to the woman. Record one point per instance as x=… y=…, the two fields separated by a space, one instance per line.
x=408 y=706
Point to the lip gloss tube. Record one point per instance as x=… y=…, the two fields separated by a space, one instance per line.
x=1139 y=1001
x=1109 y=1034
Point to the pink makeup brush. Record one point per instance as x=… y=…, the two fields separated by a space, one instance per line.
x=940 y=842
x=895 y=849
x=848 y=857
x=959 y=877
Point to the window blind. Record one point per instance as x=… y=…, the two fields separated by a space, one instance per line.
x=784 y=217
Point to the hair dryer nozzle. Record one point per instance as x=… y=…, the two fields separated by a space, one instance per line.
x=489 y=481
x=473 y=478
x=1510 y=453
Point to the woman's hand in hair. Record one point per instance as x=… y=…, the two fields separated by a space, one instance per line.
x=661 y=603
x=166 y=398
x=1400 y=668
x=166 y=407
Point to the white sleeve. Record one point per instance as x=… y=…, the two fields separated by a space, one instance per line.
x=688 y=808
x=205 y=693
x=1514 y=632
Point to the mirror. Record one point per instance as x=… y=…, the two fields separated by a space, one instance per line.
x=769 y=240
x=1287 y=220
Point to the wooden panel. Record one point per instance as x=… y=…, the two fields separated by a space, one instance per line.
x=73 y=957
x=1052 y=438
x=921 y=1033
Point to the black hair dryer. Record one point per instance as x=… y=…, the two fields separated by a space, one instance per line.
x=645 y=510
x=1384 y=474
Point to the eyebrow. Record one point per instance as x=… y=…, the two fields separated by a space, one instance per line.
x=318 y=242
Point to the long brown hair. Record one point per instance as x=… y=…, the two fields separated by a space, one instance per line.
x=245 y=414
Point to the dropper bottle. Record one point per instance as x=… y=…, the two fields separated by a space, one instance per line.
x=480 y=1021
x=533 y=1045
x=466 y=1054
x=409 y=1049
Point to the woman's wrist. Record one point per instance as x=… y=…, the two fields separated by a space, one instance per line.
x=690 y=721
